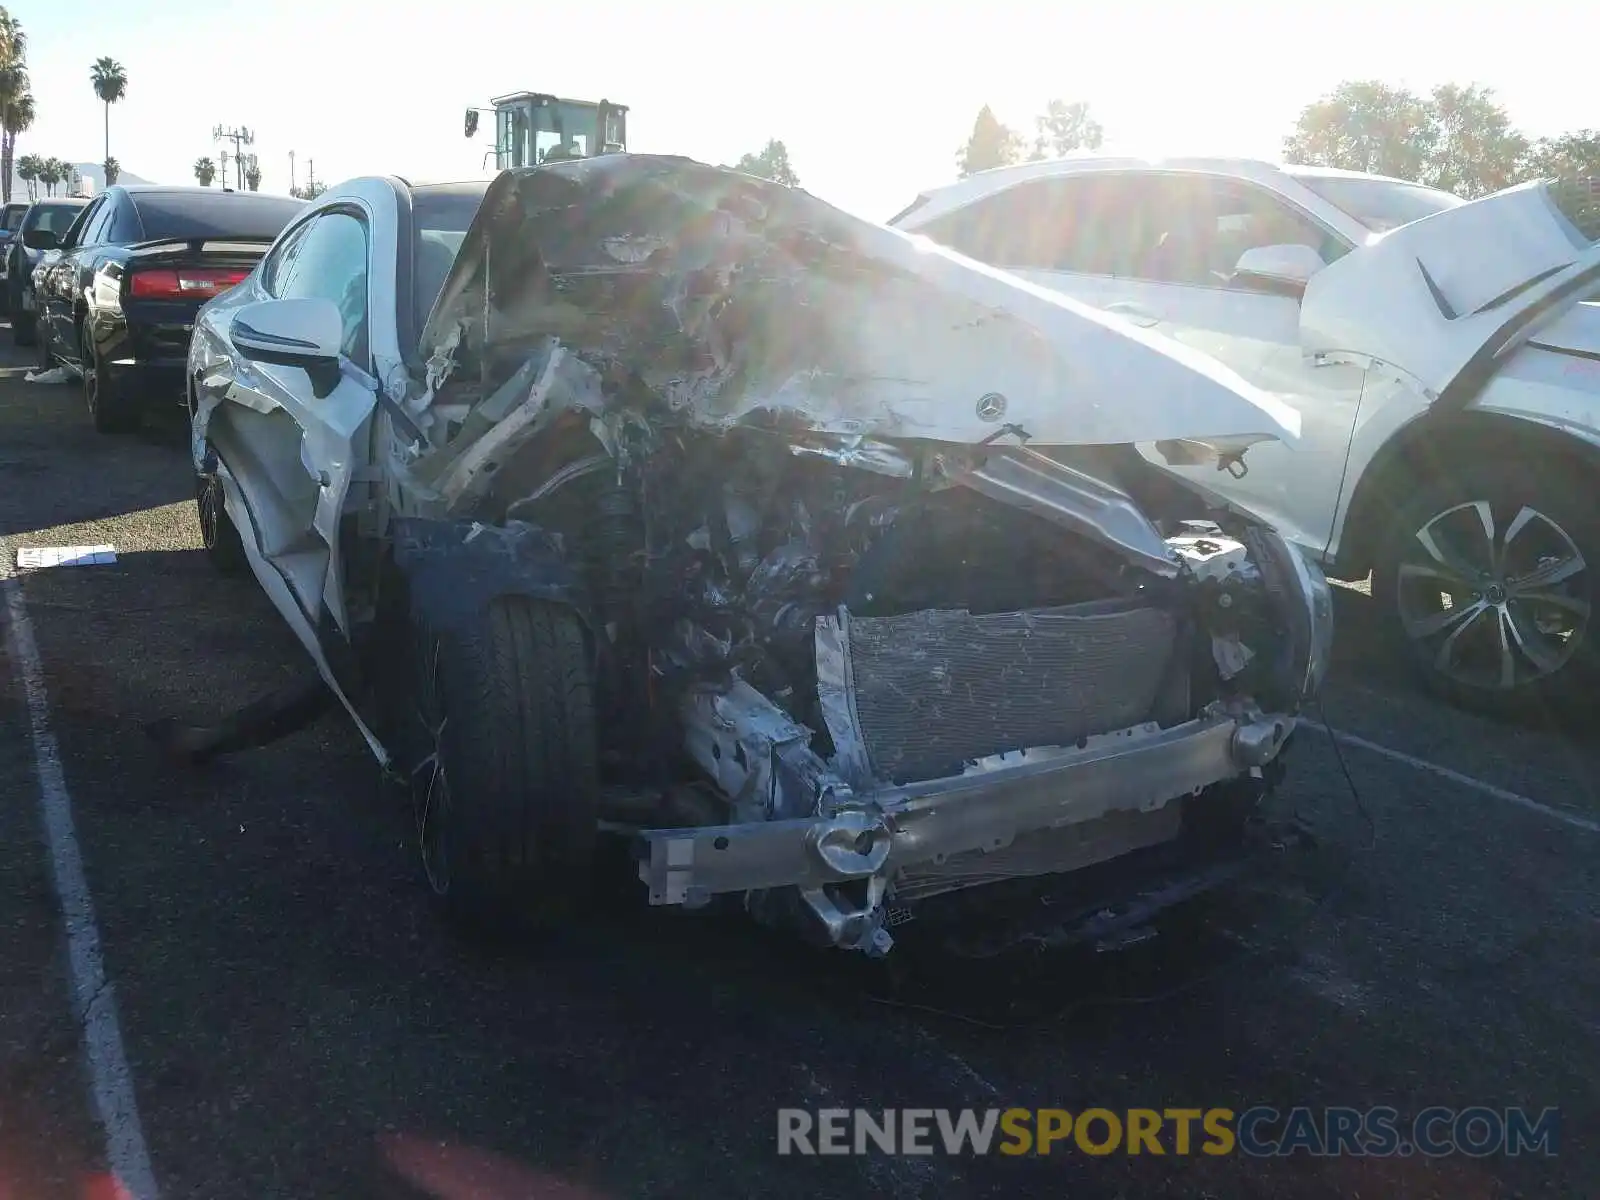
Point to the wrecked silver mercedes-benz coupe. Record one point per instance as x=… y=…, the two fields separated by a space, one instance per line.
x=631 y=495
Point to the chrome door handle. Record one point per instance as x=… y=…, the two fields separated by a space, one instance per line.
x=1137 y=314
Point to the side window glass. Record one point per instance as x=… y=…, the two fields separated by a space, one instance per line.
x=74 y=233
x=122 y=227
x=279 y=263
x=1010 y=229
x=1104 y=223
x=95 y=231
x=1207 y=224
x=331 y=262
x=1086 y=225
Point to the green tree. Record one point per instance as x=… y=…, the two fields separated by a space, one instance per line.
x=1574 y=155
x=1457 y=138
x=991 y=145
x=771 y=163
x=1572 y=160
x=113 y=169
x=16 y=101
x=28 y=171
x=1365 y=125
x=110 y=82
x=1064 y=127
x=205 y=170
x=1474 y=150
x=50 y=175
x=252 y=174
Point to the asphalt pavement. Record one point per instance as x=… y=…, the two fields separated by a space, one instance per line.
x=278 y=1012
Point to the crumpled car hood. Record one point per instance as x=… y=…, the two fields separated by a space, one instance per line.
x=1445 y=298
x=733 y=297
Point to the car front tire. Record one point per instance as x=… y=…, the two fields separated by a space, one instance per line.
x=506 y=792
x=218 y=534
x=1488 y=580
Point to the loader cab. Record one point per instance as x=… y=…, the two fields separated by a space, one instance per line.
x=533 y=128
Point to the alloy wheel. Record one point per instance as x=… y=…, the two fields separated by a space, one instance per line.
x=209 y=509
x=430 y=784
x=1494 y=601
x=91 y=377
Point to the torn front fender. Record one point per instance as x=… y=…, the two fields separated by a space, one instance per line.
x=454 y=568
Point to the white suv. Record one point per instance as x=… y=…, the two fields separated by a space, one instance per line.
x=1439 y=352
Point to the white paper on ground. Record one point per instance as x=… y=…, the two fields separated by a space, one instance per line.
x=53 y=375
x=64 y=556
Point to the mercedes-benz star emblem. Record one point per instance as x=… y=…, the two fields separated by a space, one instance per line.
x=991 y=407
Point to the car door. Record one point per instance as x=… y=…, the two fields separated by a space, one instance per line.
x=77 y=269
x=53 y=282
x=1188 y=289
x=293 y=443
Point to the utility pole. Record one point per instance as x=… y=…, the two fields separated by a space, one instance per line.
x=291 y=173
x=240 y=137
x=222 y=171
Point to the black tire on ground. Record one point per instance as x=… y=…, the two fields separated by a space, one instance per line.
x=506 y=823
x=112 y=408
x=218 y=534
x=1533 y=604
x=23 y=330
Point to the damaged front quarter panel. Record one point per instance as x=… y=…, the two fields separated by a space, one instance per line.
x=454 y=568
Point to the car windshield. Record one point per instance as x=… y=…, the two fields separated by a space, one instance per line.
x=442 y=213
x=52 y=217
x=11 y=217
x=1380 y=204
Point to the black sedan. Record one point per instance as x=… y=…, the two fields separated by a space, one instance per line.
x=117 y=302
x=40 y=231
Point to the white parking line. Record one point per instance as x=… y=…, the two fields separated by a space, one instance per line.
x=109 y=1076
x=1477 y=785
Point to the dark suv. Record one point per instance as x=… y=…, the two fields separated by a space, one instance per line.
x=41 y=230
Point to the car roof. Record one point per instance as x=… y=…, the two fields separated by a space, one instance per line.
x=58 y=201
x=952 y=196
x=171 y=189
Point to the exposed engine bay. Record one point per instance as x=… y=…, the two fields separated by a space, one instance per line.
x=844 y=663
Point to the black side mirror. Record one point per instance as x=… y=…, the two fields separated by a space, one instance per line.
x=472 y=121
x=40 y=239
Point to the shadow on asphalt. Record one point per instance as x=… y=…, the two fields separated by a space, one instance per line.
x=47 y=426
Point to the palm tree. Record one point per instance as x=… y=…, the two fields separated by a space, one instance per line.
x=112 y=169
x=14 y=116
x=50 y=175
x=205 y=170
x=28 y=171
x=110 y=84
x=252 y=174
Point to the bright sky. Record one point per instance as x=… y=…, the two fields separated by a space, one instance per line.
x=872 y=97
